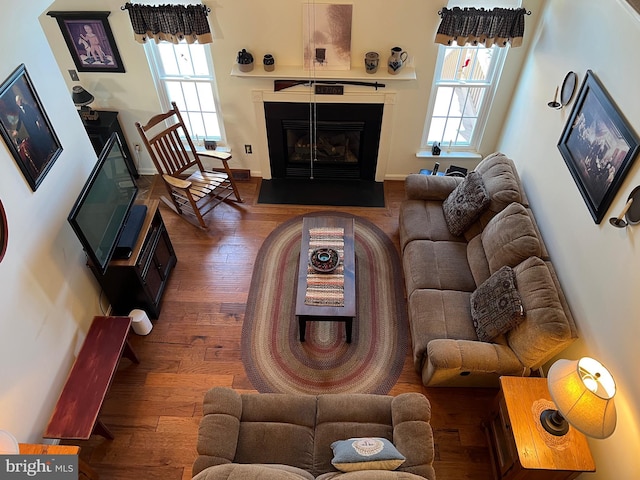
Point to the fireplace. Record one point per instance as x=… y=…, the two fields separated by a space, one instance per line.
x=325 y=140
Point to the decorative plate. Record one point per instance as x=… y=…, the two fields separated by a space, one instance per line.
x=324 y=260
x=568 y=88
x=4 y=232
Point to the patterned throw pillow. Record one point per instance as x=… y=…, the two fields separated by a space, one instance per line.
x=465 y=203
x=496 y=306
x=365 y=454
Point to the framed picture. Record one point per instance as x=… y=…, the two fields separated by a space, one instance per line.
x=26 y=129
x=326 y=30
x=598 y=146
x=90 y=41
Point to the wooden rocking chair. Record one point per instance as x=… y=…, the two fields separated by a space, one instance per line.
x=191 y=192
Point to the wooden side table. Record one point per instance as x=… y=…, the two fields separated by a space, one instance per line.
x=85 y=471
x=520 y=447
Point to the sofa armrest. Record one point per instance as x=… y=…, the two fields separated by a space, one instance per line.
x=219 y=428
x=469 y=363
x=412 y=433
x=429 y=187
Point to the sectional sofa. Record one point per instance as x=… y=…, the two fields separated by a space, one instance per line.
x=462 y=241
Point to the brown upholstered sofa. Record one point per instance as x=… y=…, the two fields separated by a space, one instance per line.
x=443 y=270
x=281 y=436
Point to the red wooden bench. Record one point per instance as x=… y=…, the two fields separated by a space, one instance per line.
x=76 y=413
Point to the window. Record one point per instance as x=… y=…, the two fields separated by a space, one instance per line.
x=183 y=73
x=464 y=85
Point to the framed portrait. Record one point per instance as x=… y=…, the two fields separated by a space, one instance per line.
x=90 y=41
x=26 y=129
x=598 y=146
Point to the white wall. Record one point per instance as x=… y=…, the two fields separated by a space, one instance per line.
x=48 y=297
x=276 y=27
x=597 y=264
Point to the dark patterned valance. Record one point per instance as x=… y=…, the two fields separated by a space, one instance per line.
x=500 y=26
x=169 y=23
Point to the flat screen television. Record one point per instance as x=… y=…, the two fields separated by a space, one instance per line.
x=102 y=209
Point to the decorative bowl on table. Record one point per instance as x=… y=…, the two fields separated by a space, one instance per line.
x=324 y=260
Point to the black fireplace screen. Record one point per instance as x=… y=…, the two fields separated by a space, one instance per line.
x=342 y=143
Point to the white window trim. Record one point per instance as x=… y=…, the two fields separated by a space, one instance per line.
x=155 y=68
x=473 y=148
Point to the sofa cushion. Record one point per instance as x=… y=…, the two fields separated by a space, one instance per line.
x=441 y=265
x=438 y=314
x=496 y=306
x=374 y=475
x=503 y=186
x=343 y=416
x=546 y=328
x=277 y=428
x=423 y=220
x=464 y=205
x=365 y=454
x=236 y=471
x=509 y=238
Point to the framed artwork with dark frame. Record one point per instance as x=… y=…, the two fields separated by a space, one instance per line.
x=26 y=129
x=598 y=146
x=90 y=41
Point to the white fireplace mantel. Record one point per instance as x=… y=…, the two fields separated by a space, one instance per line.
x=260 y=97
x=296 y=72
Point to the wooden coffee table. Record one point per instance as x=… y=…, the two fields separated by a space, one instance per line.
x=346 y=313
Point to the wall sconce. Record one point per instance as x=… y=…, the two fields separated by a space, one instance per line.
x=583 y=392
x=81 y=98
x=630 y=214
x=8 y=444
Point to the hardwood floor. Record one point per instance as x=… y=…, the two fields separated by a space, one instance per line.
x=154 y=408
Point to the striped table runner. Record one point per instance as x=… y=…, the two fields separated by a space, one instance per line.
x=326 y=289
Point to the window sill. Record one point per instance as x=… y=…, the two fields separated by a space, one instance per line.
x=453 y=155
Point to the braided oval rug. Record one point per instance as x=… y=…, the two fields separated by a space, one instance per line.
x=274 y=358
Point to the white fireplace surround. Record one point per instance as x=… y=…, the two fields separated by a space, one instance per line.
x=260 y=97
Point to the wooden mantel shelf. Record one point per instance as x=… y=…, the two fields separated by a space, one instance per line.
x=296 y=72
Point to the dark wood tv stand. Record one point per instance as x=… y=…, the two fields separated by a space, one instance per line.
x=139 y=281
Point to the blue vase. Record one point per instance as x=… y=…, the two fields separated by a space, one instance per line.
x=396 y=60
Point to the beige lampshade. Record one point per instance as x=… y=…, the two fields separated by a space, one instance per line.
x=583 y=392
x=8 y=444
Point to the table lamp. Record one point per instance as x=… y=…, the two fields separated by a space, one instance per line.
x=582 y=391
x=8 y=444
x=81 y=98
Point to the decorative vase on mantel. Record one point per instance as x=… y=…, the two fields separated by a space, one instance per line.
x=397 y=60
x=245 y=61
x=269 y=63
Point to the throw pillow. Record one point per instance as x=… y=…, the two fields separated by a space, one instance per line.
x=365 y=454
x=465 y=203
x=496 y=306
